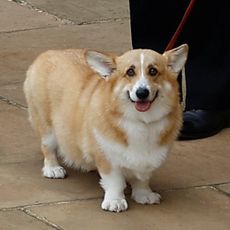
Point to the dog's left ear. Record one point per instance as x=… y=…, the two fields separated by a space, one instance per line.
x=176 y=58
x=102 y=63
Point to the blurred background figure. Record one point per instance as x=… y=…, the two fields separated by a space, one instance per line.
x=207 y=32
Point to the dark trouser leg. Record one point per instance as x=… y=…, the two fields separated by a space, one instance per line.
x=207 y=32
x=154 y=22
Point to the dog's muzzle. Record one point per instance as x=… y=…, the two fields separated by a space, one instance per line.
x=142 y=104
x=142 y=93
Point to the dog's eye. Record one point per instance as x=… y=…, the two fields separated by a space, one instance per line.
x=130 y=72
x=153 y=71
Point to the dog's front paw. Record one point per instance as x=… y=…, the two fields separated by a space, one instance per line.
x=146 y=197
x=53 y=171
x=114 y=205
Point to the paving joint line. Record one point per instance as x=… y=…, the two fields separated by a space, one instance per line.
x=41 y=219
x=102 y=20
x=28 y=206
x=67 y=21
x=86 y=23
x=31 y=7
x=211 y=186
x=29 y=29
x=13 y=103
x=222 y=191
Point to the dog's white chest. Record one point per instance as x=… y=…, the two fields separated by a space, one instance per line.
x=143 y=153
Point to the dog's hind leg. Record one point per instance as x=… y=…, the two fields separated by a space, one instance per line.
x=39 y=117
x=49 y=145
x=51 y=168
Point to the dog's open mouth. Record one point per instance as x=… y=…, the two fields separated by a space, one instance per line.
x=143 y=105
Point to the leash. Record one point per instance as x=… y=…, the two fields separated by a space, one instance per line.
x=181 y=25
x=171 y=44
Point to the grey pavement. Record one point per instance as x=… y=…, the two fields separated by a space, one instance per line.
x=194 y=181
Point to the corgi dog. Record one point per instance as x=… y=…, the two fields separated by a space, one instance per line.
x=117 y=114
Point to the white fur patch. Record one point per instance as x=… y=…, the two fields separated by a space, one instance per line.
x=114 y=185
x=50 y=141
x=142 y=58
x=143 y=82
x=99 y=62
x=142 y=155
x=115 y=205
x=84 y=166
x=53 y=171
x=167 y=86
x=51 y=167
x=144 y=196
x=142 y=193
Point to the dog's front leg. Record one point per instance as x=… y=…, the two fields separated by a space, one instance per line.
x=114 y=184
x=142 y=193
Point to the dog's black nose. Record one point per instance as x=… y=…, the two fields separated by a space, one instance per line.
x=142 y=93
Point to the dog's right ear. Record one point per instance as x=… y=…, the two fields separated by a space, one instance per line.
x=104 y=64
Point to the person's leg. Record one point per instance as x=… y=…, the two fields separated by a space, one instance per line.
x=154 y=22
x=207 y=74
x=207 y=32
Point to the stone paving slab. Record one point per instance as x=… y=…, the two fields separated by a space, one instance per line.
x=194 y=163
x=15 y=58
x=18 y=142
x=86 y=11
x=18 y=220
x=15 y=17
x=18 y=50
x=186 y=209
x=22 y=184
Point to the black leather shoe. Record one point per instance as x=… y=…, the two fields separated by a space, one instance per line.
x=203 y=123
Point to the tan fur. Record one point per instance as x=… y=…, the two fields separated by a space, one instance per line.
x=69 y=102
x=175 y=118
x=50 y=72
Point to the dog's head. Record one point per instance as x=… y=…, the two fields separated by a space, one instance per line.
x=143 y=79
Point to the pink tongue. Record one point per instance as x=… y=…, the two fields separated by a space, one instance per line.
x=142 y=106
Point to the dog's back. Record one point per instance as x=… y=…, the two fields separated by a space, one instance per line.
x=59 y=88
